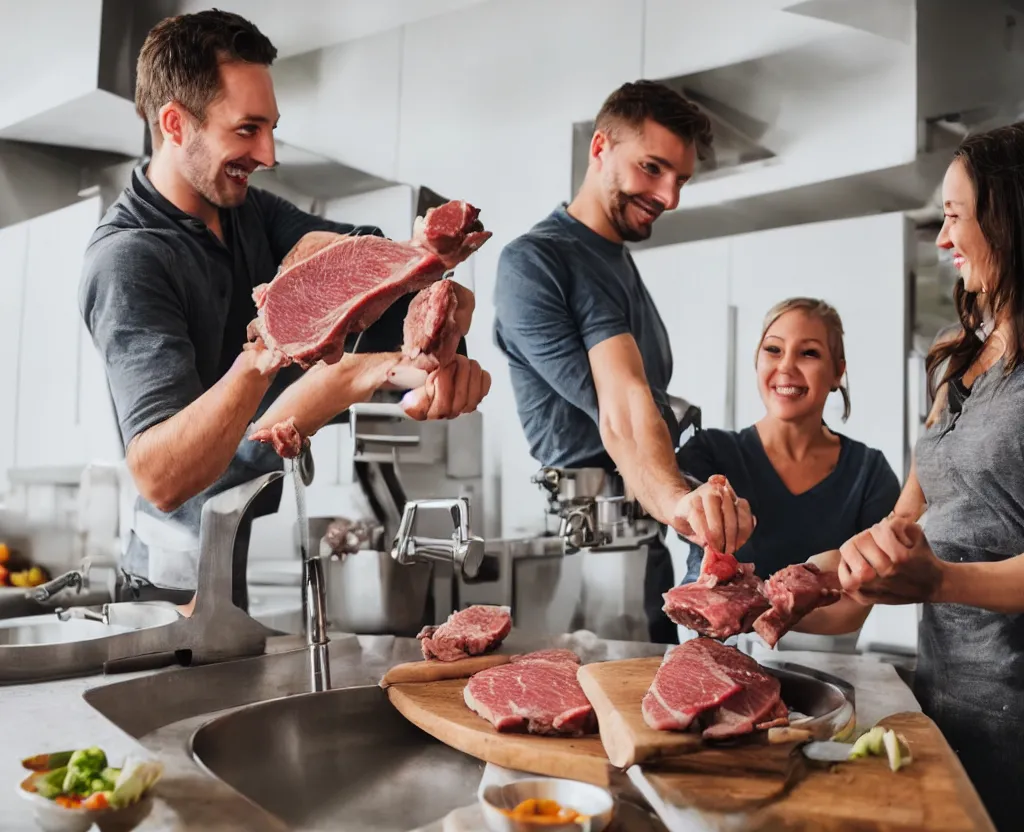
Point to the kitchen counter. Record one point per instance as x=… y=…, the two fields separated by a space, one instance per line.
x=54 y=716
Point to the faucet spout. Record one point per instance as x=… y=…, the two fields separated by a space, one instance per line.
x=464 y=550
x=77 y=578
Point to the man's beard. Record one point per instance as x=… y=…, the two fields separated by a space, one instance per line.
x=206 y=180
x=630 y=232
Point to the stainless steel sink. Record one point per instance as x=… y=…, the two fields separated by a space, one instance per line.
x=36 y=629
x=248 y=747
x=340 y=759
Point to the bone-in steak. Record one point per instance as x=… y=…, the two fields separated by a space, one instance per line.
x=470 y=632
x=330 y=285
x=794 y=592
x=537 y=693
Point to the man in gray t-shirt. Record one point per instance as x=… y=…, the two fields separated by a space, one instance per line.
x=166 y=294
x=588 y=352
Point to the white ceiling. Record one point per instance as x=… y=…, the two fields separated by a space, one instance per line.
x=300 y=26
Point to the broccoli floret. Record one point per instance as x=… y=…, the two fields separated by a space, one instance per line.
x=89 y=759
x=78 y=782
x=84 y=767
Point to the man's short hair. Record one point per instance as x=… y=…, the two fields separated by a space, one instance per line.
x=634 y=103
x=180 y=61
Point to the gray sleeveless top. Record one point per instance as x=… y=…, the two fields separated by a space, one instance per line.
x=970 y=673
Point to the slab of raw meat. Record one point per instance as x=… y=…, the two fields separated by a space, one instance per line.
x=794 y=592
x=755 y=703
x=473 y=631
x=333 y=284
x=716 y=685
x=718 y=609
x=431 y=335
x=688 y=682
x=553 y=654
x=536 y=693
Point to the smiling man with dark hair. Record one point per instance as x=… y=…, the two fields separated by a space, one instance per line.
x=588 y=352
x=167 y=296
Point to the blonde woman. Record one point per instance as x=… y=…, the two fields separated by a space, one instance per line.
x=809 y=487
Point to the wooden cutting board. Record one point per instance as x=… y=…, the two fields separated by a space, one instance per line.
x=439 y=709
x=932 y=793
x=431 y=670
x=616 y=689
x=763 y=786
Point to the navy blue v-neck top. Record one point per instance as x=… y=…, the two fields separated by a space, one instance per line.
x=856 y=494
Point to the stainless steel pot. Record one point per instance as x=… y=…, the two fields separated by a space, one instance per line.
x=369 y=593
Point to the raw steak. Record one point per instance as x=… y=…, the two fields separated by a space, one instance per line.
x=688 y=682
x=431 y=335
x=553 y=654
x=794 y=592
x=755 y=703
x=470 y=632
x=718 y=609
x=333 y=284
x=718 y=685
x=537 y=693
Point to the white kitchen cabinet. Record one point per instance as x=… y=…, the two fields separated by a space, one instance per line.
x=689 y=283
x=54 y=407
x=13 y=253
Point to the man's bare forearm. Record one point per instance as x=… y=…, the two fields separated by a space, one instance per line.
x=637 y=439
x=173 y=461
x=327 y=390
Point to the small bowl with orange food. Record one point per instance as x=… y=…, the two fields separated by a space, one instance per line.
x=547 y=804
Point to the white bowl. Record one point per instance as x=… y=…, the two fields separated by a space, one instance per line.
x=595 y=803
x=52 y=817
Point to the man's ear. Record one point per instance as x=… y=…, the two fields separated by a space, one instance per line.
x=172 y=120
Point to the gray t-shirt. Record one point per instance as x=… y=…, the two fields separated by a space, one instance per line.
x=970 y=666
x=167 y=304
x=561 y=290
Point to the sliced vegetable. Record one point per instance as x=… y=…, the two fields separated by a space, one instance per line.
x=51 y=783
x=97 y=800
x=869 y=743
x=135 y=780
x=879 y=741
x=47 y=762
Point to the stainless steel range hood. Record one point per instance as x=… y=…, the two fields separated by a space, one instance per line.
x=935 y=72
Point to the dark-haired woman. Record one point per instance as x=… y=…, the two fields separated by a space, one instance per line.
x=969 y=475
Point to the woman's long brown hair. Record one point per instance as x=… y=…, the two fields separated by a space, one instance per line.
x=994 y=161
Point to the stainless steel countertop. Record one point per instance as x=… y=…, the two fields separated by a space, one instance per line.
x=53 y=716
